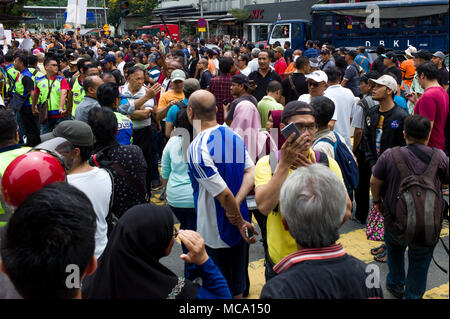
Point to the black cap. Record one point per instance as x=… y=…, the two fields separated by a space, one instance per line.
x=423 y=54
x=294 y=108
x=240 y=79
x=391 y=56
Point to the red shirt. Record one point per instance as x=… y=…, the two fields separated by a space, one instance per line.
x=280 y=67
x=433 y=104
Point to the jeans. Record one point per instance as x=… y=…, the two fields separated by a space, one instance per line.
x=31 y=126
x=419 y=258
x=154 y=173
x=362 y=197
x=50 y=124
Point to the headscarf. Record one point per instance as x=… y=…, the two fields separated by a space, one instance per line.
x=247 y=124
x=276 y=118
x=129 y=268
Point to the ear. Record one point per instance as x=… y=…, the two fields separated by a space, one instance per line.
x=285 y=225
x=404 y=135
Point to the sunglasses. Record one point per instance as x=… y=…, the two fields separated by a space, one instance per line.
x=314 y=84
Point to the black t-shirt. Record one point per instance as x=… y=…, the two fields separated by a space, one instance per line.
x=262 y=82
x=336 y=278
x=443 y=76
x=235 y=102
x=300 y=84
x=28 y=84
x=192 y=65
x=396 y=71
x=378 y=65
x=68 y=75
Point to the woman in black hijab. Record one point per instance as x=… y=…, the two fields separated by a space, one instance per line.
x=129 y=268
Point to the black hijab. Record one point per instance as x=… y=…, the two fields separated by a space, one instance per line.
x=129 y=267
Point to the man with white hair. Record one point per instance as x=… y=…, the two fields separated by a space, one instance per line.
x=313 y=203
x=253 y=64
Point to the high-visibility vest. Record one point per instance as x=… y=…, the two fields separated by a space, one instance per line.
x=12 y=75
x=78 y=95
x=5 y=159
x=55 y=94
x=20 y=89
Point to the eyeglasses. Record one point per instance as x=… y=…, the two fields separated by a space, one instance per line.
x=175 y=232
x=314 y=84
x=303 y=127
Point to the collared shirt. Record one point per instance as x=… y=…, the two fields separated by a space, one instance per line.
x=88 y=103
x=127 y=105
x=262 y=82
x=267 y=104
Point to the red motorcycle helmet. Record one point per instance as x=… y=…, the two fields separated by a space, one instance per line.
x=29 y=173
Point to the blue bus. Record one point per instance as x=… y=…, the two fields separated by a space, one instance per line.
x=421 y=23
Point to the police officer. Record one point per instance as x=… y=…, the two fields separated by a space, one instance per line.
x=24 y=85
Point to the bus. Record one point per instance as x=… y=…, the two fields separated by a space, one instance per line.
x=151 y=30
x=420 y=23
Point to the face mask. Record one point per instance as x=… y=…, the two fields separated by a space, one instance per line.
x=296 y=57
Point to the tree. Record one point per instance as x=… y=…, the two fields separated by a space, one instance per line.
x=143 y=8
x=240 y=14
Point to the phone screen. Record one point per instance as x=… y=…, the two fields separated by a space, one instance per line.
x=407 y=89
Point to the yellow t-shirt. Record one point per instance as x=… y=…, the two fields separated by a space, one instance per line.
x=280 y=241
x=168 y=96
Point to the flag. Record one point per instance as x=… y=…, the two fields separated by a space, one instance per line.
x=279 y=17
x=76 y=12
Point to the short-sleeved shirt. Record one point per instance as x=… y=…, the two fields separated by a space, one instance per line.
x=443 y=76
x=263 y=82
x=217 y=159
x=266 y=105
x=363 y=61
x=279 y=240
x=386 y=170
x=168 y=96
x=352 y=76
x=173 y=111
x=300 y=83
x=280 y=67
x=408 y=71
x=434 y=105
x=205 y=79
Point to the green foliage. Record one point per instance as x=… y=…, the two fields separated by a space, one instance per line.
x=240 y=14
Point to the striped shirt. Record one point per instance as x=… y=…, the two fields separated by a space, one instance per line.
x=217 y=159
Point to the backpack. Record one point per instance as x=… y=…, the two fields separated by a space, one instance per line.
x=346 y=162
x=418 y=207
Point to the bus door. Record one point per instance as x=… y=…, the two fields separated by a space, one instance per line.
x=281 y=33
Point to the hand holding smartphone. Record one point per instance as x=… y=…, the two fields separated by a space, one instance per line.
x=289 y=129
x=407 y=89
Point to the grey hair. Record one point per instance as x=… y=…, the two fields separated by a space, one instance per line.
x=121 y=54
x=313 y=202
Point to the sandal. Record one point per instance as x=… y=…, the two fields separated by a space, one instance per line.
x=378 y=250
x=380 y=257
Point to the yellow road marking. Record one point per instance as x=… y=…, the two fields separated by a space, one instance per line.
x=256 y=271
x=440 y=292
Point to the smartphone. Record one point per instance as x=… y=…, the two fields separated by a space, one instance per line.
x=224 y=102
x=407 y=89
x=251 y=82
x=248 y=232
x=289 y=129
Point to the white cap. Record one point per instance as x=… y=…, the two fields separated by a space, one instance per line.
x=386 y=80
x=411 y=50
x=318 y=76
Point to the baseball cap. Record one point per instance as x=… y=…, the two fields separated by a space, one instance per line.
x=76 y=132
x=279 y=49
x=191 y=85
x=313 y=62
x=75 y=61
x=140 y=66
x=410 y=50
x=318 y=76
x=390 y=55
x=423 y=54
x=240 y=79
x=177 y=75
x=109 y=58
x=439 y=54
x=295 y=108
x=386 y=80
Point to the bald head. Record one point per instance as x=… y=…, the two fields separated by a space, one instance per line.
x=228 y=54
x=298 y=52
x=203 y=104
x=91 y=84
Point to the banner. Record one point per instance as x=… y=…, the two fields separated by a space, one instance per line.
x=76 y=12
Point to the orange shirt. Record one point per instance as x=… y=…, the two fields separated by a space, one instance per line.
x=290 y=68
x=212 y=67
x=408 y=72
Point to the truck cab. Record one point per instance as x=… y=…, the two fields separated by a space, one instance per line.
x=294 y=31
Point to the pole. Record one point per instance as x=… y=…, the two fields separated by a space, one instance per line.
x=202 y=34
x=104 y=7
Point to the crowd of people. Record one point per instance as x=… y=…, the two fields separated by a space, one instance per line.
x=91 y=126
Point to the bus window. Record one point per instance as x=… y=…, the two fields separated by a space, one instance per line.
x=281 y=31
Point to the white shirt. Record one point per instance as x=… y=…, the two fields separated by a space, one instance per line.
x=246 y=71
x=253 y=65
x=120 y=67
x=307 y=98
x=97 y=186
x=345 y=101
